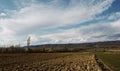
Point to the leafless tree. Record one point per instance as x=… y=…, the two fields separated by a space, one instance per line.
x=28 y=41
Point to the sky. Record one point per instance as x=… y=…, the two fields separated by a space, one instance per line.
x=58 y=21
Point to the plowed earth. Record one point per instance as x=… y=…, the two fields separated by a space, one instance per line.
x=48 y=62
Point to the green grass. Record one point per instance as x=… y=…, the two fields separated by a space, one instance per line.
x=112 y=60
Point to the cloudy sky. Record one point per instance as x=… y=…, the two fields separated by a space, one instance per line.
x=59 y=21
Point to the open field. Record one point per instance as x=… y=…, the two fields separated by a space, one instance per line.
x=49 y=62
x=72 y=61
x=112 y=60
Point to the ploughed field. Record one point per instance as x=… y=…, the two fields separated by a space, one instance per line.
x=49 y=62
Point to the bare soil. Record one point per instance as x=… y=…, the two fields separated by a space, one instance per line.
x=48 y=62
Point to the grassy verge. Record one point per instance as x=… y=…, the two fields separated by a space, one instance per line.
x=111 y=60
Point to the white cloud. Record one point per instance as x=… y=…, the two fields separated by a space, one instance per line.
x=39 y=16
x=91 y=33
x=114 y=16
x=33 y=37
x=45 y=16
x=2 y=14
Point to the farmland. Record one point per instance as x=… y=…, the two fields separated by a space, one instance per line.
x=101 y=56
x=112 y=60
x=49 y=62
x=67 y=61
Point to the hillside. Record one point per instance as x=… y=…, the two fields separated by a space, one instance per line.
x=110 y=44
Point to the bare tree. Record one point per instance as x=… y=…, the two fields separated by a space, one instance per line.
x=28 y=41
x=28 y=44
